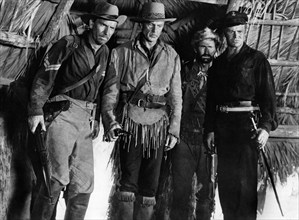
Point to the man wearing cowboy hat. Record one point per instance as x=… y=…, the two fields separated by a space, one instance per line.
x=240 y=89
x=72 y=73
x=142 y=95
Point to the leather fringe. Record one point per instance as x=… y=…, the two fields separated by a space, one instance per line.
x=126 y=196
x=149 y=136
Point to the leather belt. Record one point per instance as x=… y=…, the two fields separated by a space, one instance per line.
x=227 y=109
x=148 y=101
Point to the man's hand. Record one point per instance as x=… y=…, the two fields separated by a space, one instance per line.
x=210 y=140
x=262 y=137
x=34 y=121
x=96 y=130
x=170 y=142
x=110 y=136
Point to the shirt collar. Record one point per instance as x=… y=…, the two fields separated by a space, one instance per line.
x=95 y=47
x=137 y=43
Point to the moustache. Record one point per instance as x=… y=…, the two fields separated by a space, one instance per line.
x=206 y=58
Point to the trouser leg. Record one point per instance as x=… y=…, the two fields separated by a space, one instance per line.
x=237 y=170
x=125 y=205
x=204 y=198
x=76 y=206
x=44 y=207
x=144 y=208
x=183 y=167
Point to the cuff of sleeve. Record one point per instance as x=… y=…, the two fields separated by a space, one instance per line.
x=266 y=127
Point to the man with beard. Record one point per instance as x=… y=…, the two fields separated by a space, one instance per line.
x=189 y=156
x=143 y=83
x=72 y=73
x=240 y=86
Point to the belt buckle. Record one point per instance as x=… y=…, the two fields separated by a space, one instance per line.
x=140 y=103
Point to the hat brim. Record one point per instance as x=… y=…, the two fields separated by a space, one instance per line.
x=118 y=19
x=142 y=20
x=231 y=24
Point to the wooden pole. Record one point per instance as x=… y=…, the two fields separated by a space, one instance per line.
x=62 y=8
x=233 y=5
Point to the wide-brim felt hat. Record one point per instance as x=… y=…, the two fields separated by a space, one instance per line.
x=234 y=18
x=152 y=11
x=106 y=11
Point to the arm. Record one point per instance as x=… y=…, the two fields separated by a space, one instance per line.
x=110 y=95
x=267 y=102
x=266 y=96
x=43 y=83
x=175 y=102
x=210 y=114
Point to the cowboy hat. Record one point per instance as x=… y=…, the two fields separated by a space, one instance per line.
x=106 y=11
x=152 y=11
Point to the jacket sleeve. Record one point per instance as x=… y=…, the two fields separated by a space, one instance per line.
x=110 y=92
x=266 y=96
x=210 y=114
x=175 y=99
x=43 y=82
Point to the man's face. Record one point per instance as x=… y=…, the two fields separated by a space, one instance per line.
x=152 y=30
x=206 y=50
x=102 y=30
x=235 y=35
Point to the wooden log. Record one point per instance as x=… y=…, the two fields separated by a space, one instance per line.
x=216 y=2
x=274 y=62
x=293 y=22
x=4 y=81
x=286 y=131
x=233 y=5
x=62 y=8
x=288 y=94
x=13 y=39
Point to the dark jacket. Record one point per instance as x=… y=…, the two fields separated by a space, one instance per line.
x=64 y=66
x=246 y=77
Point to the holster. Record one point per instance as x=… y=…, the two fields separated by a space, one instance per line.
x=53 y=109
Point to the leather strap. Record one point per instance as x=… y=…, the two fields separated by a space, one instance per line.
x=80 y=82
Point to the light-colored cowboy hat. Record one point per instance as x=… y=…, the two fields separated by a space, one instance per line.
x=106 y=11
x=152 y=11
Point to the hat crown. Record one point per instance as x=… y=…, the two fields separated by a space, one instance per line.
x=153 y=10
x=234 y=18
x=105 y=9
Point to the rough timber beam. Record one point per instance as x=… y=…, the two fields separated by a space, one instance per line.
x=62 y=8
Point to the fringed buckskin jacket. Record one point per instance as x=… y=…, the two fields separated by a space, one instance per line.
x=128 y=65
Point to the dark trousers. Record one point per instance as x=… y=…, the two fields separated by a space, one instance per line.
x=237 y=166
x=186 y=160
x=140 y=174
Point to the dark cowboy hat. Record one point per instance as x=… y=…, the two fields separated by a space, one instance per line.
x=152 y=11
x=105 y=11
x=234 y=18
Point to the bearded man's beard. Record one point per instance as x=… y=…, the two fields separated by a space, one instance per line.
x=206 y=58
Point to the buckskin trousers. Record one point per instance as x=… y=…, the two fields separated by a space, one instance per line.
x=69 y=143
x=237 y=166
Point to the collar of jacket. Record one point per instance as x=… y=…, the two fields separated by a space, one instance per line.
x=137 y=43
x=244 y=49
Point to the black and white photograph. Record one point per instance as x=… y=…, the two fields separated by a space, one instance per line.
x=149 y=109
